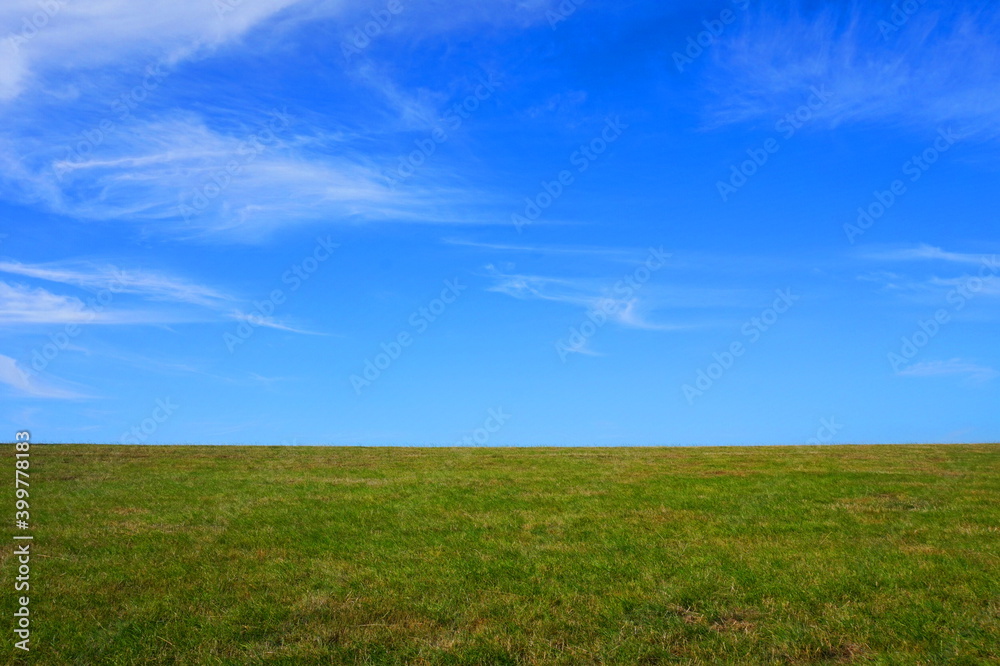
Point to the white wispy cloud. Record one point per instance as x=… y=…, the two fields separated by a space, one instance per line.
x=181 y=177
x=559 y=290
x=633 y=314
x=968 y=274
x=46 y=42
x=85 y=35
x=990 y=286
x=186 y=301
x=269 y=322
x=582 y=348
x=625 y=308
x=610 y=253
x=924 y=252
x=154 y=168
x=955 y=366
x=153 y=171
x=585 y=291
x=416 y=110
x=940 y=69
x=418 y=20
x=107 y=285
x=20 y=304
x=21 y=383
x=24 y=304
x=266 y=380
x=150 y=285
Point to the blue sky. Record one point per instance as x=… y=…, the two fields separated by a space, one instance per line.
x=499 y=223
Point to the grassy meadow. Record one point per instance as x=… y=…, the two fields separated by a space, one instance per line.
x=273 y=555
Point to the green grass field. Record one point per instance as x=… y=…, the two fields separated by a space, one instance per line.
x=244 y=555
